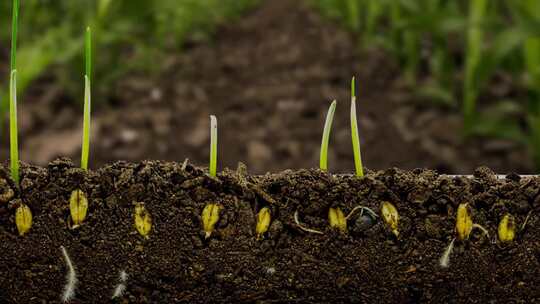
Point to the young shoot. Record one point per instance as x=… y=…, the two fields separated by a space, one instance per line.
x=13 y=132
x=213 y=146
x=354 y=133
x=87 y=100
x=323 y=161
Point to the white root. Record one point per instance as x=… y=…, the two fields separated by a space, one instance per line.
x=301 y=226
x=445 y=258
x=184 y=164
x=484 y=230
x=121 y=287
x=71 y=278
x=362 y=208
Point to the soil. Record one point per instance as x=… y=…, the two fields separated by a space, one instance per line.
x=177 y=264
x=269 y=78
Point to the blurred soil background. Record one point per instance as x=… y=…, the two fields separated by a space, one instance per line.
x=269 y=75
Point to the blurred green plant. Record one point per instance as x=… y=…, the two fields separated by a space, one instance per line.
x=133 y=33
x=450 y=50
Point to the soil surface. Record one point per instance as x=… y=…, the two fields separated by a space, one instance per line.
x=368 y=264
x=269 y=78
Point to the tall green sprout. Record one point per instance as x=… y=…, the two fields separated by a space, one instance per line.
x=475 y=34
x=323 y=161
x=213 y=146
x=13 y=132
x=354 y=133
x=87 y=99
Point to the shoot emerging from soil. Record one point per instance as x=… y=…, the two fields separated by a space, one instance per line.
x=87 y=100
x=354 y=133
x=213 y=146
x=71 y=278
x=323 y=162
x=13 y=132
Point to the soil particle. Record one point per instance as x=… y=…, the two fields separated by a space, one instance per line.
x=177 y=264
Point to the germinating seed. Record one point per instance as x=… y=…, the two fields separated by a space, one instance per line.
x=337 y=219
x=210 y=217
x=143 y=221
x=263 y=222
x=391 y=217
x=23 y=219
x=464 y=223
x=78 y=206
x=507 y=228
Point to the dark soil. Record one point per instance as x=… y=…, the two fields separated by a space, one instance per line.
x=269 y=79
x=176 y=264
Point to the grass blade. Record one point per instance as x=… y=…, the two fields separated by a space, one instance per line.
x=86 y=124
x=323 y=161
x=213 y=146
x=13 y=132
x=85 y=150
x=14 y=29
x=354 y=133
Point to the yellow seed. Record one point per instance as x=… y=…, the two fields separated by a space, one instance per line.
x=23 y=219
x=78 y=206
x=507 y=228
x=210 y=216
x=143 y=221
x=263 y=222
x=337 y=219
x=390 y=216
x=464 y=223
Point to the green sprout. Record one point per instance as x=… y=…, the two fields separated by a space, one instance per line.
x=13 y=132
x=323 y=162
x=87 y=101
x=213 y=145
x=354 y=133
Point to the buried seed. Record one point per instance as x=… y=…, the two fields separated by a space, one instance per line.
x=210 y=217
x=23 y=219
x=337 y=219
x=143 y=221
x=391 y=217
x=263 y=222
x=78 y=206
x=507 y=229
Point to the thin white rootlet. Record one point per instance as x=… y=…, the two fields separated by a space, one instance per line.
x=121 y=287
x=445 y=259
x=71 y=278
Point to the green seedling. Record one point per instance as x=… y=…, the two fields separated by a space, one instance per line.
x=323 y=161
x=213 y=146
x=13 y=131
x=87 y=100
x=354 y=133
x=463 y=229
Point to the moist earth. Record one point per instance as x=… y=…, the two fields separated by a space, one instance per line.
x=176 y=263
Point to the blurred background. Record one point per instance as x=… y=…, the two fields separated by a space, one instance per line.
x=444 y=84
